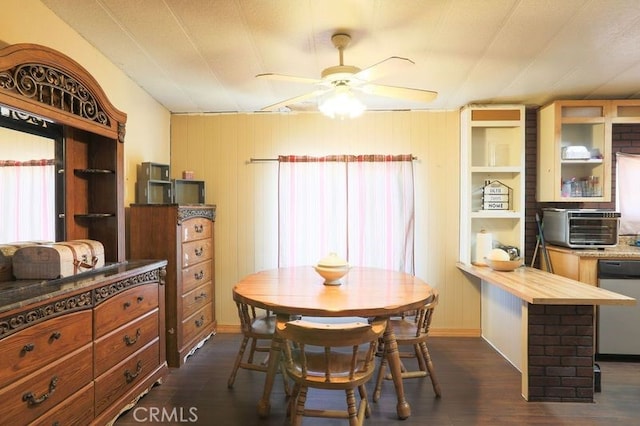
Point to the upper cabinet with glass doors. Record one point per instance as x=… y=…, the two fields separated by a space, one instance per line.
x=574 y=151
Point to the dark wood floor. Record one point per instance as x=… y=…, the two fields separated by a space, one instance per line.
x=479 y=388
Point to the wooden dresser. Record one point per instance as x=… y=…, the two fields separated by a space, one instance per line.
x=182 y=234
x=81 y=350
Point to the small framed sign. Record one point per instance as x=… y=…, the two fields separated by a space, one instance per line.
x=496 y=196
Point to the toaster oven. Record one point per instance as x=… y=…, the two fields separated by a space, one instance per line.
x=581 y=228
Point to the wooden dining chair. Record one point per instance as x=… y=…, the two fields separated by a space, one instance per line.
x=333 y=356
x=412 y=330
x=257 y=333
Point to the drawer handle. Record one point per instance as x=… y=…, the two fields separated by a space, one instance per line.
x=199 y=228
x=200 y=321
x=129 y=376
x=131 y=341
x=199 y=251
x=31 y=399
x=201 y=296
x=199 y=275
x=55 y=336
x=139 y=299
x=28 y=348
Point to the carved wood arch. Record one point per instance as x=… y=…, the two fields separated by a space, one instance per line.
x=41 y=81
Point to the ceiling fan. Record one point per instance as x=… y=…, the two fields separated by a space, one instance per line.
x=342 y=79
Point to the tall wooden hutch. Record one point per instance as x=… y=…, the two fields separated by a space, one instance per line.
x=81 y=349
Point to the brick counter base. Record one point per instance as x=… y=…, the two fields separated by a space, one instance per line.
x=560 y=347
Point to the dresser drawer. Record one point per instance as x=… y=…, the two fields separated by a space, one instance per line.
x=192 y=326
x=126 y=375
x=195 y=275
x=41 y=391
x=75 y=410
x=28 y=350
x=124 y=307
x=196 y=252
x=196 y=299
x=197 y=228
x=122 y=342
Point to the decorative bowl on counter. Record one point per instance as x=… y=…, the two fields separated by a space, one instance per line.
x=504 y=265
x=332 y=268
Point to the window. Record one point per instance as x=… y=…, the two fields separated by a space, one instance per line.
x=627 y=201
x=360 y=207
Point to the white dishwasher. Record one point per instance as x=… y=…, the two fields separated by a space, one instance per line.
x=619 y=326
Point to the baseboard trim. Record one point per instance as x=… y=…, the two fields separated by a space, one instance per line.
x=453 y=332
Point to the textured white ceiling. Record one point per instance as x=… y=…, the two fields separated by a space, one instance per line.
x=202 y=55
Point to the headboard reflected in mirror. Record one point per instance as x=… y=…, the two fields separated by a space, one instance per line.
x=39 y=84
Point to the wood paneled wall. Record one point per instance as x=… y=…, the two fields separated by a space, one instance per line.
x=218 y=148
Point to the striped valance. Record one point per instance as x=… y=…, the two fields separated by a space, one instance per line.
x=16 y=163
x=370 y=158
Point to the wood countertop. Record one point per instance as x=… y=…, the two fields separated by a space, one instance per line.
x=542 y=288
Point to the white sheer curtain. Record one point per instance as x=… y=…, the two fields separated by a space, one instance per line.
x=27 y=200
x=381 y=212
x=360 y=207
x=627 y=200
x=312 y=214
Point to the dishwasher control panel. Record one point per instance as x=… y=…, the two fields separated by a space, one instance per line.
x=621 y=269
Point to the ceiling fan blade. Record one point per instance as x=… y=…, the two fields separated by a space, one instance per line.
x=282 y=77
x=387 y=66
x=419 y=95
x=294 y=100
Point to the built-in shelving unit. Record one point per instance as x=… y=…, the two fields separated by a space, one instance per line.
x=491 y=152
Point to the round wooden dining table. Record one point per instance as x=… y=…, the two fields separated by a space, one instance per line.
x=363 y=292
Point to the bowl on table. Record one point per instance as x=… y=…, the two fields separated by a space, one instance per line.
x=332 y=268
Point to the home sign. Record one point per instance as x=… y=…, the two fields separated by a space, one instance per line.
x=496 y=196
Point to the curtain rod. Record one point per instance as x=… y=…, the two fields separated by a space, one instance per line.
x=260 y=160
x=264 y=160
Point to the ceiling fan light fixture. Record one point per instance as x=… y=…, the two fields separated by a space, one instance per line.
x=342 y=104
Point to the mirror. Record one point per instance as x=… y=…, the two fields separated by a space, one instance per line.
x=49 y=94
x=31 y=157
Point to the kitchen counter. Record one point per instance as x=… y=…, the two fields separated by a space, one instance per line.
x=623 y=250
x=582 y=264
x=543 y=324
x=542 y=288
